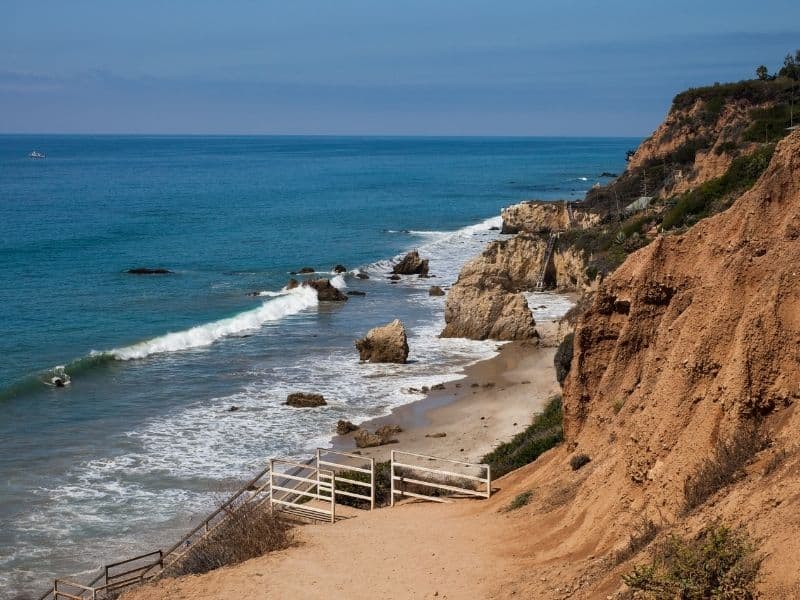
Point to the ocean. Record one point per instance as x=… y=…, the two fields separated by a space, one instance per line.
x=143 y=439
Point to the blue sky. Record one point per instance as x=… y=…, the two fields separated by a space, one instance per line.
x=562 y=67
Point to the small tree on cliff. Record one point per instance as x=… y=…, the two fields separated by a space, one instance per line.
x=762 y=73
x=791 y=66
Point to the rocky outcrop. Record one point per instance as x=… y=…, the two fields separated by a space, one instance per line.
x=339 y=269
x=569 y=269
x=411 y=264
x=386 y=344
x=344 y=427
x=326 y=292
x=541 y=217
x=305 y=400
x=383 y=435
x=435 y=290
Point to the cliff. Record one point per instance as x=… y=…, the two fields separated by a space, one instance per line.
x=692 y=343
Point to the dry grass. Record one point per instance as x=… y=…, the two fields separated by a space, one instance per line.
x=246 y=533
x=723 y=467
x=775 y=461
x=579 y=460
x=519 y=501
x=644 y=532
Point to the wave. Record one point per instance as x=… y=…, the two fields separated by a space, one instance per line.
x=290 y=303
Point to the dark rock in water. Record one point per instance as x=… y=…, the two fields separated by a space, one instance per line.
x=305 y=400
x=438 y=387
x=233 y=408
x=393 y=282
x=344 y=427
x=292 y=283
x=356 y=293
x=395 y=277
x=362 y=275
x=326 y=292
x=435 y=290
x=411 y=264
x=494 y=228
x=253 y=293
x=340 y=269
x=607 y=174
x=148 y=271
x=423 y=276
x=305 y=270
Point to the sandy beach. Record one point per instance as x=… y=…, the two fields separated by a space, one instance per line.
x=495 y=399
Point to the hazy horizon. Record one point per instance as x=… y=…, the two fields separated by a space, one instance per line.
x=578 y=69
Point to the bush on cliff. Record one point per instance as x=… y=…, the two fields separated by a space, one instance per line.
x=563 y=358
x=715 y=195
x=545 y=432
x=719 y=562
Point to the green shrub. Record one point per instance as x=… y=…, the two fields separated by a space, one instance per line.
x=579 y=460
x=740 y=176
x=719 y=563
x=643 y=533
x=545 y=432
x=519 y=501
x=382 y=486
x=563 y=358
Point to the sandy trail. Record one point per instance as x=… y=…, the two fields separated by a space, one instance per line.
x=417 y=550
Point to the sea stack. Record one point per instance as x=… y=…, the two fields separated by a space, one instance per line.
x=386 y=344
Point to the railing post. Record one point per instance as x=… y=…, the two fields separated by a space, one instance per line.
x=391 y=477
x=333 y=497
x=372 y=484
x=271 y=480
x=488 y=481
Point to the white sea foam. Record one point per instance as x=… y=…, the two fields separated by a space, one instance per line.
x=338 y=282
x=281 y=306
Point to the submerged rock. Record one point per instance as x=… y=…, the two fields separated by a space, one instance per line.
x=362 y=275
x=388 y=343
x=340 y=269
x=395 y=277
x=148 y=271
x=305 y=400
x=435 y=290
x=356 y=293
x=292 y=283
x=411 y=264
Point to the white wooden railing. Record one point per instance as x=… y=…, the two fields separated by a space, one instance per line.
x=302 y=489
x=406 y=470
x=335 y=460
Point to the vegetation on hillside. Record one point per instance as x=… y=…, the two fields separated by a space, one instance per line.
x=545 y=432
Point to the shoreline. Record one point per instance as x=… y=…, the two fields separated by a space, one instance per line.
x=495 y=399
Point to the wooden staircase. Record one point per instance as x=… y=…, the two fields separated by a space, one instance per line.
x=548 y=253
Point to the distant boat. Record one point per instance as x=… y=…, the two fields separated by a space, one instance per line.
x=35 y=154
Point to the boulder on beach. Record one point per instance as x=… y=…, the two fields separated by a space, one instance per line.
x=340 y=269
x=326 y=291
x=435 y=290
x=344 y=427
x=305 y=400
x=383 y=435
x=411 y=264
x=386 y=344
x=148 y=271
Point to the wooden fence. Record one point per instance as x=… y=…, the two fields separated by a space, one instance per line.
x=410 y=478
x=342 y=463
x=303 y=490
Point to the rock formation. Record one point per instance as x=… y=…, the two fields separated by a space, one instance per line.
x=435 y=290
x=383 y=435
x=326 y=292
x=344 y=427
x=542 y=217
x=411 y=264
x=305 y=400
x=340 y=269
x=384 y=344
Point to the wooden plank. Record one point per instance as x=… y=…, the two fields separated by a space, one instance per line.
x=441 y=472
x=346 y=467
x=422 y=497
x=354 y=482
x=441 y=486
x=455 y=462
x=304 y=507
x=354 y=495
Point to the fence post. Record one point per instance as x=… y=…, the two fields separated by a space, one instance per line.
x=372 y=483
x=391 y=477
x=333 y=497
x=271 y=480
x=488 y=480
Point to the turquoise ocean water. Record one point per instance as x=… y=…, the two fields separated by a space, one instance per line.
x=142 y=440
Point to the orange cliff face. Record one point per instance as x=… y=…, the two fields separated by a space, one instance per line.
x=692 y=337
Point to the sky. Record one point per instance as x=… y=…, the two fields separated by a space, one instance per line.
x=374 y=67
